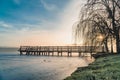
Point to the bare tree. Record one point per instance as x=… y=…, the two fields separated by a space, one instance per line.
x=100 y=17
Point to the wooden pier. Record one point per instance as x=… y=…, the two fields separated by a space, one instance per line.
x=60 y=50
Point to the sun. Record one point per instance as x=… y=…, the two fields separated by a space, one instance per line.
x=100 y=37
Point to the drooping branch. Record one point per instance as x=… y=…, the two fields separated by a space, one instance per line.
x=99 y=17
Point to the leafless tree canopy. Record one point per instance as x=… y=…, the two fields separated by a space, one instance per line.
x=99 y=18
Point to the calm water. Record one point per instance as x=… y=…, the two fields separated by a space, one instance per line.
x=15 y=67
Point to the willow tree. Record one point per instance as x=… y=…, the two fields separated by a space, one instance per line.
x=100 y=17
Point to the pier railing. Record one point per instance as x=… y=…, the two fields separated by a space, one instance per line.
x=46 y=50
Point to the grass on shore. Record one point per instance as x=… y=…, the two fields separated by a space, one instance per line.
x=104 y=68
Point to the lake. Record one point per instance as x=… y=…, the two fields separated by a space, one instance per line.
x=16 y=67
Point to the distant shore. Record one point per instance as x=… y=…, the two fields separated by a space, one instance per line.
x=105 y=67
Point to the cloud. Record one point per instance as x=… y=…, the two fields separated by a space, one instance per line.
x=49 y=7
x=58 y=33
x=5 y=25
x=62 y=32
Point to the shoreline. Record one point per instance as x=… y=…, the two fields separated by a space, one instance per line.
x=95 y=67
x=87 y=60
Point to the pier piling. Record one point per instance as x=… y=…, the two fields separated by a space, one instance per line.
x=49 y=50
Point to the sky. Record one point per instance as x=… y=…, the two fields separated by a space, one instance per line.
x=37 y=22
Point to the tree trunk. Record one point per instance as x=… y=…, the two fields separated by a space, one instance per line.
x=111 y=44
x=106 y=45
x=117 y=42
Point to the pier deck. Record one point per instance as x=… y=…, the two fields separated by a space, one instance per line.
x=50 y=50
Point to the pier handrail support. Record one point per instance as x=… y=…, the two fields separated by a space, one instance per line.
x=59 y=49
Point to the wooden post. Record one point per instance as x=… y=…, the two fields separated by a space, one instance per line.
x=26 y=53
x=58 y=53
x=52 y=53
x=68 y=54
x=39 y=53
x=21 y=53
x=79 y=54
x=42 y=53
x=61 y=53
x=20 y=50
x=33 y=52
x=46 y=53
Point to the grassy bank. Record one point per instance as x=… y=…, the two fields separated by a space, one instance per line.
x=104 y=68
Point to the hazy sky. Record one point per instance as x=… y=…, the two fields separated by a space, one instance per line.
x=37 y=22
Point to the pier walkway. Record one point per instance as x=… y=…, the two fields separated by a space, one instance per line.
x=60 y=50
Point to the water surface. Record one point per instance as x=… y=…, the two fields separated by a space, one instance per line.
x=16 y=67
